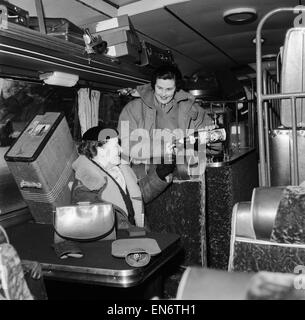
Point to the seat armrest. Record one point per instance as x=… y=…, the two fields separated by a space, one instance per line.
x=208 y=284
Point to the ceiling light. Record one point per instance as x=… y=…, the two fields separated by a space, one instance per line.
x=240 y=16
x=59 y=78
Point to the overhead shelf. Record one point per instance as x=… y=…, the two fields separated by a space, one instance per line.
x=26 y=52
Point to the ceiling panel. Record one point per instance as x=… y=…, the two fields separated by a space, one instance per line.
x=168 y=30
x=206 y=17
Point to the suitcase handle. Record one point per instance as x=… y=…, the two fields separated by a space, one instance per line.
x=30 y=184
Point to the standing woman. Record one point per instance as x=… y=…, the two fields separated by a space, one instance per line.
x=161 y=104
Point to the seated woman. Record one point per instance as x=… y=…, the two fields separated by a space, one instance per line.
x=100 y=176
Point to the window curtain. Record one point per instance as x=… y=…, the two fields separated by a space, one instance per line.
x=88 y=107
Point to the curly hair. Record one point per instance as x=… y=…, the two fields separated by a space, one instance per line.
x=166 y=72
x=89 y=148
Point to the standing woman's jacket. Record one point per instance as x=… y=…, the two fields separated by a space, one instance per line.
x=140 y=113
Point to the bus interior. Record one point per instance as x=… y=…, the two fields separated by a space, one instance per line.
x=79 y=61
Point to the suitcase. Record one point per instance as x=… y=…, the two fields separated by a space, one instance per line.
x=281 y=156
x=292 y=75
x=120 y=36
x=109 y=25
x=60 y=28
x=124 y=51
x=15 y=14
x=40 y=161
x=154 y=57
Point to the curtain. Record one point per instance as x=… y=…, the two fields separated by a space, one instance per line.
x=88 y=107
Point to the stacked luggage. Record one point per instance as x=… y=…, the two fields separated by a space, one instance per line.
x=123 y=42
x=60 y=28
x=15 y=14
x=120 y=36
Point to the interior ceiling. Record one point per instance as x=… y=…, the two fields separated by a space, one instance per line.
x=194 y=30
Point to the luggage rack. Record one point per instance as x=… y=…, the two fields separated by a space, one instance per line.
x=265 y=119
x=21 y=46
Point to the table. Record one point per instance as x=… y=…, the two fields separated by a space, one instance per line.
x=34 y=242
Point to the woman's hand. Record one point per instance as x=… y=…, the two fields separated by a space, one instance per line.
x=170 y=148
x=129 y=92
x=272 y=286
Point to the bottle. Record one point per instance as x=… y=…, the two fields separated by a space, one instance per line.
x=203 y=136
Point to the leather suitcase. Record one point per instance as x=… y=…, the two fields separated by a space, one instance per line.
x=281 y=156
x=15 y=14
x=154 y=57
x=40 y=161
x=120 y=36
x=60 y=28
x=124 y=51
x=109 y=25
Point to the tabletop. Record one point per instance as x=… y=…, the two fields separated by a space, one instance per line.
x=34 y=241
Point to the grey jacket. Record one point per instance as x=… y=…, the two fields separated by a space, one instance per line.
x=141 y=114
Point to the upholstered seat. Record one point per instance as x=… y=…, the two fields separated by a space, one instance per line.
x=16 y=280
x=267 y=233
x=12 y=282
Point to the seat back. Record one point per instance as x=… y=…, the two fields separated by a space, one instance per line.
x=278 y=219
x=293 y=75
x=264 y=205
x=16 y=281
x=12 y=282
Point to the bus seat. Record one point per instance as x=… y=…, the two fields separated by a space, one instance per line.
x=16 y=281
x=267 y=233
x=293 y=75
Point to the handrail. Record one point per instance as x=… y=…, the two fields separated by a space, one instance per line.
x=261 y=97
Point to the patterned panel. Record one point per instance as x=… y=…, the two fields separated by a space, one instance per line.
x=226 y=186
x=219 y=209
x=12 y=283
x=253 y=257
x=180 y=209
x=289 y=223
